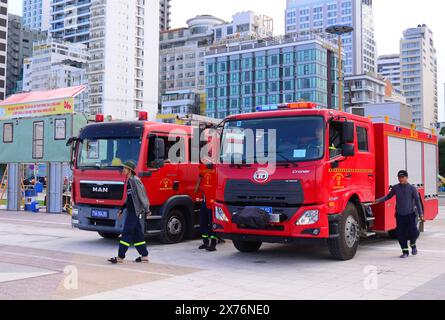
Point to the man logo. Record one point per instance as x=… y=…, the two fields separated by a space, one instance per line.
x=261 y=176
x=100 y=189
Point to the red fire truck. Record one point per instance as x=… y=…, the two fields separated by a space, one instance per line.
x=98 y=187
x=330 y=167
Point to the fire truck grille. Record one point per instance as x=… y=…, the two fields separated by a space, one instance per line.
x=275 y=192
x=103 y=191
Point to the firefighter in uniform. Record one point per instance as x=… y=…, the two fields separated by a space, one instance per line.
x=206 y=186
x=407 y=198
x=137 y=206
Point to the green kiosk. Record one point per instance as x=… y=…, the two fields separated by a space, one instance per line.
x=34 y=129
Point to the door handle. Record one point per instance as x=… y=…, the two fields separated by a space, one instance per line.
x=348 y=176
x=371 y=175
x=176 y=185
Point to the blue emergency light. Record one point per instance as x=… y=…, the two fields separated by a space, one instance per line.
x=293 y=105
x=271 y=107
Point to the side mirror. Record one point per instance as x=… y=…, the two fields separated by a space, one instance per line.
x=347 y=129
x=70 y=141
x=348 y=150
x=159 y=152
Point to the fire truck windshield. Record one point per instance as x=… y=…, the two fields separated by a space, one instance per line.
x=107 y=153
x=293 y=139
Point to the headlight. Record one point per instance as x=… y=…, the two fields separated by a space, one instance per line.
x=309 y=217
x=220 y=215
x=74 y=211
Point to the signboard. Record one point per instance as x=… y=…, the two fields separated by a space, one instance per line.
x=37 y=109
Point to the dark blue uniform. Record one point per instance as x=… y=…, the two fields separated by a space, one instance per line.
x=133 y=233
x=408 y=199
x=206 y=225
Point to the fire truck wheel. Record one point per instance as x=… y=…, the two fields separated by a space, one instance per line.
x=246 y=246
x=173 y=227
x=344 y=247
x=106 y=235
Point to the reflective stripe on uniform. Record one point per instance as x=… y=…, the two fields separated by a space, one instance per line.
x=139 y=244
x=214 y=238
x=405 y=250
x=205 y=236
x=125 y=243
x=413 y=245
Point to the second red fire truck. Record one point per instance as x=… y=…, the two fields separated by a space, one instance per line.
x=330 y=166
x=98 y=188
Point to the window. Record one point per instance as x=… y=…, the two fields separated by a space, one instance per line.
x=297 y=139
x=8 y=133
x=175 y=150
x=335 y=140
x=60 y=129
x=362 y=139
x=37 y=140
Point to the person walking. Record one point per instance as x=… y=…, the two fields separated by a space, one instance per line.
x=137 y=206
x=408 y=199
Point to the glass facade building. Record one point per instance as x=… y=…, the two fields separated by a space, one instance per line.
x=241 y=77
x=418 y=67
x=36 y=14
x=308 y=16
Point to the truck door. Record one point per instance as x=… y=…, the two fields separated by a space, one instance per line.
x=365 y=170
x=341 y=168
x=163 y=183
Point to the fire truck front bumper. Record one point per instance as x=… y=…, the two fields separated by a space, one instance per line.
x=97 y=219
x=302 y=224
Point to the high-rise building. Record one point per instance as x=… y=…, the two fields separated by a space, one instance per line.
x=388 y=66
x=313 y=16
x=164 y=15
x=182 y=54
x=362 y=90
x=124 y=58
x=70 y=20
x=20 y=45
x=243 y=75
x=3 y=46
x=419 y=75
x=36 y=14
x=245 y=24
x=57 y=64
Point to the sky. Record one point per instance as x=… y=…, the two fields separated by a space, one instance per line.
x=391 y=17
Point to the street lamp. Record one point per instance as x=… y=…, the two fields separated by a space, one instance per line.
x=340 y=30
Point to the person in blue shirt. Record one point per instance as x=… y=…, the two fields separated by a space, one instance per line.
x=408 y=199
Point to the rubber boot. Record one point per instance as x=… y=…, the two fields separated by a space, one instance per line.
x=205 y=244
x=212 y=246
x=405 y=254
x=414 y=250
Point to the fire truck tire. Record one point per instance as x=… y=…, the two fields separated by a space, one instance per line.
x=173 y=227
x=246 y=246
x=106 y=235
x=344 y=247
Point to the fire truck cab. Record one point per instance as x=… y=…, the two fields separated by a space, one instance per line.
x=329 y=167
x=99 y=188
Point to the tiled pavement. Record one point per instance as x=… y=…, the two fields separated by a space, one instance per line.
x=35 y=250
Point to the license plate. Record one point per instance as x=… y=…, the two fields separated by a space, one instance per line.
x=269 y=210
x=99 y=214
x=274 y=218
